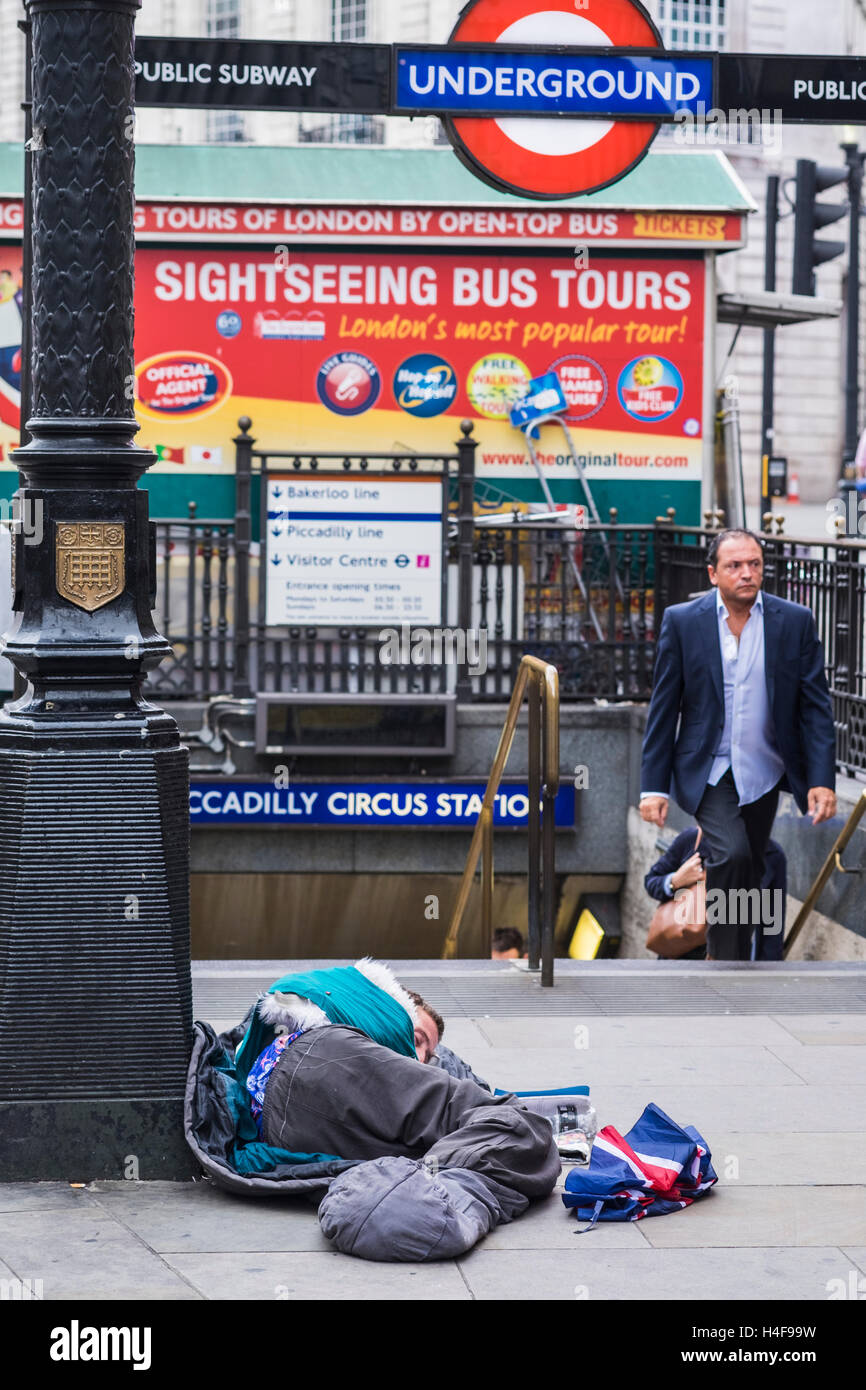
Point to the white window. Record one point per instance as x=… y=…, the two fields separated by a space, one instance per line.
x=348 y=20
x=692 y=23
x=223 y=21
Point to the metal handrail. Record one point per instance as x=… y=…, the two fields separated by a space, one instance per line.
x=542 y=679
x=833 y=861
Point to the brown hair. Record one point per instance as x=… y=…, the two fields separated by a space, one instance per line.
x=428 y=1009
x=508 y=939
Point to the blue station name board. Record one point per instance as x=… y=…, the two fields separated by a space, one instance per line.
x=375 y=804
x=489 y=82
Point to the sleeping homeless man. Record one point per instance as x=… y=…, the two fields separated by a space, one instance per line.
x=430 y=1163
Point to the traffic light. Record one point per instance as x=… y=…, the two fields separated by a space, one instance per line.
x=810 y=216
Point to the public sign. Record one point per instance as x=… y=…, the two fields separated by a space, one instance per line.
x=818 y=89
x=389 y=805
x=246 y=74
x=544 y=396
x=358 y=551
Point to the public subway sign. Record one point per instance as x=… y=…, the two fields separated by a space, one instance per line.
x=815 y=89
x=245 y=74
x=395 y=805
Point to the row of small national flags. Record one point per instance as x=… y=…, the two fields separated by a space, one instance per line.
x=196 y=453
x=166 y=453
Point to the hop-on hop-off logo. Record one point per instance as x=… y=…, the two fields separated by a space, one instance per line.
x=181 y=385
x=425 y=385
x=90 y=562
x=348 y=383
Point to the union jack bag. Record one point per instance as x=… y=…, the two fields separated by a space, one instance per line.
x=658 y=1167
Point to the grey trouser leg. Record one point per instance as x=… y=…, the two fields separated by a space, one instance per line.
x=334 y=1091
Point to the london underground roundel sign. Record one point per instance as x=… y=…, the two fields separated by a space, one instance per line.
x=552 y=157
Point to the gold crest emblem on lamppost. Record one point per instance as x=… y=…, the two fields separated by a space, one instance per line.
x=90 y=562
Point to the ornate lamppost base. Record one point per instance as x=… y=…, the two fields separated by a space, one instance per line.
x=95 y=1006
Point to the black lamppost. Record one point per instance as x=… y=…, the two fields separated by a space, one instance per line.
x=95 y=1011
x=854 y=158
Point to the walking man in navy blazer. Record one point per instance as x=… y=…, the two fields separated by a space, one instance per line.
x=742 y=674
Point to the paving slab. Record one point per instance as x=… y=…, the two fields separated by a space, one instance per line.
x=747 y=1216
x=857 y=1255
x=786 y=1159
x=820 y=1029
x=86 y=1254
x=548 y=1225
x=646 y=1065
x=199 y=1217
x=464 y=1035
x=328 y=1278
x=664 y=1275
x=42 y=1196
x=701 y=1030
x=759 y=1109
x=837 y=1064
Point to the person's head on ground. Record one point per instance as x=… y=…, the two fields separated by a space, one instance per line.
x=429 y=1027
x=735 y=563
x=507 y=944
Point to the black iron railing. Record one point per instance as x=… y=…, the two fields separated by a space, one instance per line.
x=587 y=600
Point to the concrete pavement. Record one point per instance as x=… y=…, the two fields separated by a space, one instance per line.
x=780 y=1097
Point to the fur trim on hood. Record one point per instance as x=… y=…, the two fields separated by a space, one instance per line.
x=289 y=1012
x=378 y=973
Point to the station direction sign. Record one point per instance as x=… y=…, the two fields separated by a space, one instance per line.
x=360 y=550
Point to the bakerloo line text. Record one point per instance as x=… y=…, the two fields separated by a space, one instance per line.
x=493 y=287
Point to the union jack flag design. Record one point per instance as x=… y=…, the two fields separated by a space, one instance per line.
x=658 y=1167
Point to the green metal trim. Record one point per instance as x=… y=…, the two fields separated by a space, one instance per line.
x=680 y=180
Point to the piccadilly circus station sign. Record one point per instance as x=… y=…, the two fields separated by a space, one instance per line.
x=542 y=98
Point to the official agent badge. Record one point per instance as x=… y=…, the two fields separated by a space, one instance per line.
x=90 y=562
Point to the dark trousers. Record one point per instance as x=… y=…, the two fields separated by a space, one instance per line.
x=733 y=847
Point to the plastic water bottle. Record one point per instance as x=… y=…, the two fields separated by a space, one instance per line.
x=575 y=1125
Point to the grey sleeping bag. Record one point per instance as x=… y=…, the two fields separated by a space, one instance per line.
x=446 y=1160
x=439 y=1206
x=428 y=1163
